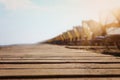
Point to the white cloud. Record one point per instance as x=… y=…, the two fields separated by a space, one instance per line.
x=20 y=4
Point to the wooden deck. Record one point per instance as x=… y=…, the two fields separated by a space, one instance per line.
x=52 y=62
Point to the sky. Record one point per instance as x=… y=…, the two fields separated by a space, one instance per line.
x=31 y=21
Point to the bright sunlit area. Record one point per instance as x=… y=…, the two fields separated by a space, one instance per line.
x=32 y=21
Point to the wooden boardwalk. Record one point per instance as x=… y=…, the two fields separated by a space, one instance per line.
x=51 y=62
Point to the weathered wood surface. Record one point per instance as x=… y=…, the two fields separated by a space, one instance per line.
x=90 y=47
x=51 y=62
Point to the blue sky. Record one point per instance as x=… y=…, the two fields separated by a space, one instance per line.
x=31 y=21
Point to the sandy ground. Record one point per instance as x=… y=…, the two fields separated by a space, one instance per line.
x=53 y=62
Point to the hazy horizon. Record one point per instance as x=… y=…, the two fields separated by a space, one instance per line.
x=32 y=21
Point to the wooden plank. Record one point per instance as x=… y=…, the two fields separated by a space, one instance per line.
x=60 y=61
x=81 y=78
x=60 y=66
x=62 y=58
x=41 y=72
x=51 y=56
x=94 y=47
x=77 y=53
